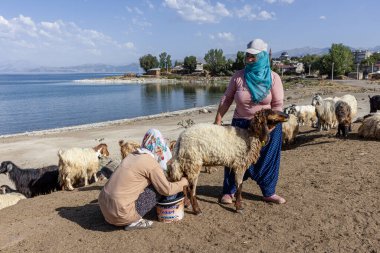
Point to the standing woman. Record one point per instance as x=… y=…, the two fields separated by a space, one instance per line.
x=136 y=186
x=254 y=88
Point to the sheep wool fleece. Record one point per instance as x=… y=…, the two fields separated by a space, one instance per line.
x=265 y=171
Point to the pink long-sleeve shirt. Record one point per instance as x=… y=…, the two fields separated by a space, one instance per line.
x=238 y=91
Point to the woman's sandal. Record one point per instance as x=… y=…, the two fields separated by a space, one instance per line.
x=141 y=224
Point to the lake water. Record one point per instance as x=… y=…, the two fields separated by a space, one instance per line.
x=31 y=102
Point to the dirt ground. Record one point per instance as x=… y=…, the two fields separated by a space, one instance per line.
x=331 y=185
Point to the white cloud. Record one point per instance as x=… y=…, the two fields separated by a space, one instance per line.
x=198 y=34
x=149 y=3
x=264 y=15
x=57 y=41
x=129 y=9
x=129 y=45
x=280 y=1
x=249 y=13
x=322 y=17
x=141 y=23
x=138 y=11
x=199 y=11
x=226 y=36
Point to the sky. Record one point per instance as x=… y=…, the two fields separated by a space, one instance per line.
x=75 y=32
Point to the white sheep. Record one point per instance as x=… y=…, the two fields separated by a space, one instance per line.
x=214 y=145
x=325 y=110
x=290 y=129
x=349 y=99
x=305 y=114
x=10 y=199
x=76 y=164
x=370 y=127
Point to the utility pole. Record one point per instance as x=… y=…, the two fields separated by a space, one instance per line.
x=282 y=70
x=332 y=71
x=309 y=69
x=357 y=71
x=372 y=67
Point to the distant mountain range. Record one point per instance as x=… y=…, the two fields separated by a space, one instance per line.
x=85 y=68
x=25 y=67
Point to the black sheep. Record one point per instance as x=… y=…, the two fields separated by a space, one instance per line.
x=374 y=103
x=32 y=182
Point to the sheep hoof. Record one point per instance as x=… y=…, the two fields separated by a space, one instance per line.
x=240 y=211
x=197 y=212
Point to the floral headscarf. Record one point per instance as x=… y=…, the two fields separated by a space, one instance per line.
x=154 y=143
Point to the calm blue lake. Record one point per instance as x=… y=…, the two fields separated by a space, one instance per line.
x=31 y=102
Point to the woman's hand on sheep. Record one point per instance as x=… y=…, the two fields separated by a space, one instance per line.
x=184 y=181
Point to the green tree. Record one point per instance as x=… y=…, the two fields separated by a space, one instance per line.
x=190 y=63
x=229 y=69
x=310 y=61
x=342 y=58
x=162 y=60
x=177 y=63
x=148 y=61
x=215 y=61
x=374 y=58
x=168 y=62
x=239 y=62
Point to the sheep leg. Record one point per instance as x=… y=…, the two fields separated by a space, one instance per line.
x=85 y=179
x=95 y=177
x=69 y=186
x=193 y=197
x=186 y=194
x=239 y=187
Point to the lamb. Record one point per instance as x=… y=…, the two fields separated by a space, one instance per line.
x=370 y=127
x=10 y=199
x=343 y=115
x=290 y=129
x=127 y=147
x=4 y=189
x=325 y=110
x=32 y=182
x=214 y=145
x=76 y=164
x=305 y=113
x=374 y=103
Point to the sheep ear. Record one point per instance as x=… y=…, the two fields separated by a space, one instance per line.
x=9 y=167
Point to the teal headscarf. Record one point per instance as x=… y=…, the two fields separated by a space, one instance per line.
x=258 y=77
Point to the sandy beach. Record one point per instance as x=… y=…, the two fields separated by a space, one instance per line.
x=331 y=186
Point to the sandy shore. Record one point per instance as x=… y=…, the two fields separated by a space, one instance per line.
x=331 y=186
x=140 y=80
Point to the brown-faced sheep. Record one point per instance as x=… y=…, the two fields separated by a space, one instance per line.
x=343 y=116
x=127 y=147
x=76 y=164
x=370 y=127
x=290 y=129
x=214 y=145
